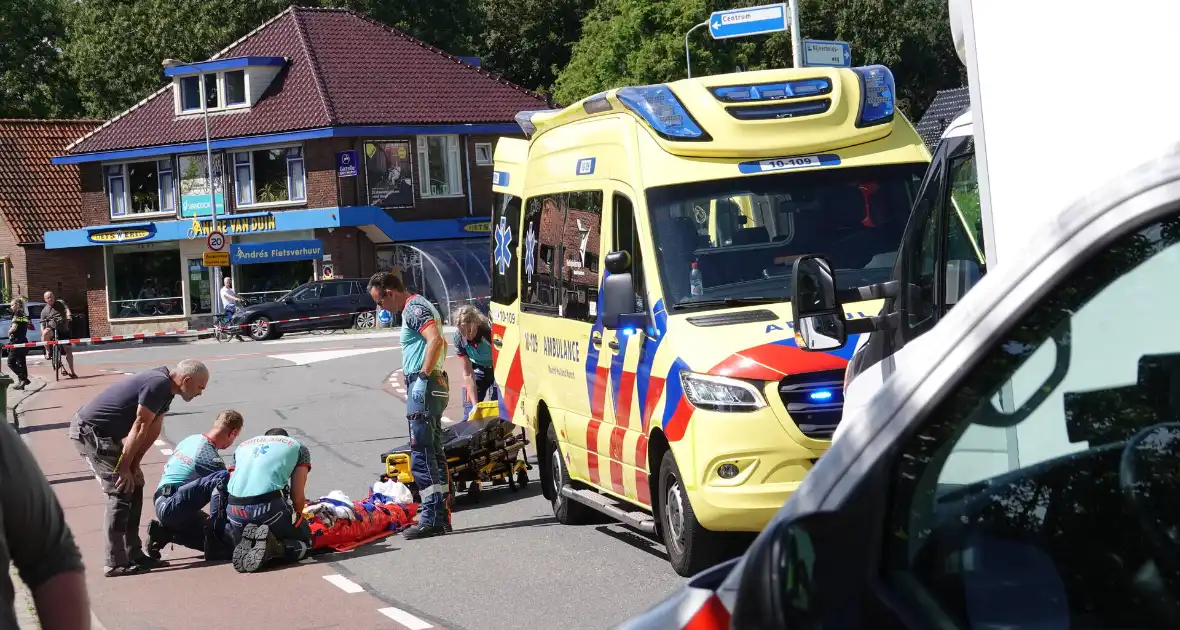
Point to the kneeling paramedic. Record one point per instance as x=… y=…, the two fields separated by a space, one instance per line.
x=473 y=346
x=423 y=352
x=191 y=478
x=267 y=494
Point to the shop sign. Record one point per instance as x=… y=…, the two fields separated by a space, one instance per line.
x=483 y=227
x=280 y=251
x=201 y=228
x=215 y=259
x=389 y=174
x=346 y=164
x=123 y=235
x=195 y=199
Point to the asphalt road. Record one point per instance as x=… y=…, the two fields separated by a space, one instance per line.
x=507 y=564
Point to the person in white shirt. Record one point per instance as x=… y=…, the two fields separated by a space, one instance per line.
x=229 y=298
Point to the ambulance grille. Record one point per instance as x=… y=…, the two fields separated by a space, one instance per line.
x=779 y=111
x=814 y=401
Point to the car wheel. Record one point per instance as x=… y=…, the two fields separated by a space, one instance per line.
x=260 y=328
x=565 y=511
x=691 y=547
x=366 y=320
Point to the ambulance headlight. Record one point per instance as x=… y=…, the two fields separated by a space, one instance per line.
x=877 y=96
x=658 y=105
x=720 y=393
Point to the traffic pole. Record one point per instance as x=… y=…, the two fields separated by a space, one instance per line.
x=796 y=38
x=687 y=54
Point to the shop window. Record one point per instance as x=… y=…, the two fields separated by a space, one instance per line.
x=136 y=188
x=145 y=283
x=440 y=165
x=235 y=88
x=483 y=153
x=270 y=176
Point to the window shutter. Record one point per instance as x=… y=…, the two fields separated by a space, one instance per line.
x=454 y=166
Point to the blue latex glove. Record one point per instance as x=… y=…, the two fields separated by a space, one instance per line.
x=418 y=390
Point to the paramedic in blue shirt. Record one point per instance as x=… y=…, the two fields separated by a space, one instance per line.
x=192 y=474
x=423 y=353
x=473 y=345
x=267 y=493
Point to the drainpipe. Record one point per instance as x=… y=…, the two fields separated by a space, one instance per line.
x=470 y=196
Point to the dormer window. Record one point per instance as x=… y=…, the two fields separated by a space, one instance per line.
x=224 y=84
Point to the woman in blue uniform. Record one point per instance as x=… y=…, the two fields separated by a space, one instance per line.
x=473 y=344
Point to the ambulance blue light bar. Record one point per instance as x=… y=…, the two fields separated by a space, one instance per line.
x=821 y=395
x=771 y=91
x=877 y=96
x=658 y=105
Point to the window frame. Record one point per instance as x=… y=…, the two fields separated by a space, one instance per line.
x=221 y=86
x=506 y=286
x=637 y=260
x=453 y=161
x=480 y=160
x=252 y=182
x=124 y=177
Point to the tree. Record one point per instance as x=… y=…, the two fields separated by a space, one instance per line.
x=33 y=80
x=530 y=41
x=449 y=26
x=642 y=41
x=114 y=48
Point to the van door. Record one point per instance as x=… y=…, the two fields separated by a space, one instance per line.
x=625 y=349
x=561 y=331
x=505 y=303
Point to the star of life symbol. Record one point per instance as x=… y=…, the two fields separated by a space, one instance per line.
x=530 y=243
x=503 y=246
x=261 y=449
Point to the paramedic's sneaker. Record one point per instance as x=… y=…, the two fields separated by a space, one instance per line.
x=257 y=547
x=419 y=530
x=148 y=562
x=158 y=538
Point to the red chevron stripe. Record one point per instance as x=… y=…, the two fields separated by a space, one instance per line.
x=642 y=491
x=592 y=450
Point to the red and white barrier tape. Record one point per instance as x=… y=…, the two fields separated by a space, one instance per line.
x=170 y=333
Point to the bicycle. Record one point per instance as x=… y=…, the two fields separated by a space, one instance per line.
x=223 y=330
x=55 y=361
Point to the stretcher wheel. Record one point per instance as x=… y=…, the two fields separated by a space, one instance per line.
x=522 y=478
x=473 y=490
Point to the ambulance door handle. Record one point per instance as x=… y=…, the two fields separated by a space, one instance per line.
x=596 y=339
x=498 y=342
x=614 y=345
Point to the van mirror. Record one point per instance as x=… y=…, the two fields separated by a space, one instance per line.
x=818 y=315
x=618 y=262
x=781 y=585
x=1037 y=377
x=618 y=293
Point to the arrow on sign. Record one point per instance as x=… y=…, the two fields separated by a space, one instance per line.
x=716 y=25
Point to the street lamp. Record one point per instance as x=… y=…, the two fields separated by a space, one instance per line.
x=214 y=272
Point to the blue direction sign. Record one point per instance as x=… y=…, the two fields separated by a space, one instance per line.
x=769 y=18
x=829 y=54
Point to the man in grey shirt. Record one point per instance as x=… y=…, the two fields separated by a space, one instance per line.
x=113 y=432
x=35 y=537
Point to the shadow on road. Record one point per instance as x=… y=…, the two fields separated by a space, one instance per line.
x=495 y=495
x=74 y=479
x=54 y=426
x=635 y=539
x=541 y=521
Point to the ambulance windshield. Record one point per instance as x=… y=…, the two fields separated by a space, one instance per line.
x=745 y=233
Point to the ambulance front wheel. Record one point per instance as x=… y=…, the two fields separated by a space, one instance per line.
x=565 y=511
x=691 y=547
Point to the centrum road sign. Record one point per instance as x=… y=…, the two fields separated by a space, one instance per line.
x=769 y=18
x=829 y=54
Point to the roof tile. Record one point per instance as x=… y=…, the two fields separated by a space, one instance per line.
x=344 y=69
x=35 y=195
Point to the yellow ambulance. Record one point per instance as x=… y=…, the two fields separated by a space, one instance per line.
x=642 y=253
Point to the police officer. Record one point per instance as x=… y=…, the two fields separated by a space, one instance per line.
x=191 y=476
x=267 y=493
x=423 y=353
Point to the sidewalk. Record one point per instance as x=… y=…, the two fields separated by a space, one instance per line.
x=26 y=610
x=190 y=593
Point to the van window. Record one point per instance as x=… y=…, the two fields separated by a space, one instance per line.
x=505 y=237
x=745 y=233
x=627 y=240
x=964 y=233
x=544 y=226
x=579 y=255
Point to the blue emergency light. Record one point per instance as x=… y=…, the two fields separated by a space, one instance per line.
x=877 y=96
x=658 y=105
x=821 y=395
x=771 y=91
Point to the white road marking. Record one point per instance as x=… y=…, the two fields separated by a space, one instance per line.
x=344 y=584
x=166 y=451
x=329 y=338
x=404 y=618
x=161 y=443
x=315 y=356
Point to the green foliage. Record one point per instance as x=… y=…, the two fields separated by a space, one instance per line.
x=33 y=78
x=628 y=42
x=530 y=41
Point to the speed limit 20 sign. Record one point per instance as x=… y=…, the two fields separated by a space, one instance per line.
x=215 y=241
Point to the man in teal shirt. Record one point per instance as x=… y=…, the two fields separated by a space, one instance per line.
x=423 y=353
x=267 y=494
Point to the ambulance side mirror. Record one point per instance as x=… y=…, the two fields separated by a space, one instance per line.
x=783 y=582
x=618 y=294
x=818 y=315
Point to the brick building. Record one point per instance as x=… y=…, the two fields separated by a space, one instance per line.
x=333 y=136
x=36 y=197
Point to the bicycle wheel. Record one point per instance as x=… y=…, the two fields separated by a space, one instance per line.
x=55 y=361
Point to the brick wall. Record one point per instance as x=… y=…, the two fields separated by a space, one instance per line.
x=95 y=208
x=16 y=260
x=353 y=254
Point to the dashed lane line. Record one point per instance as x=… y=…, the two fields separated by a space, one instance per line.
x=344 y=584
x=166 y=451
x=404 y=618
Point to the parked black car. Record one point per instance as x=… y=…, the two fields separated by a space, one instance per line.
x=344 y=297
